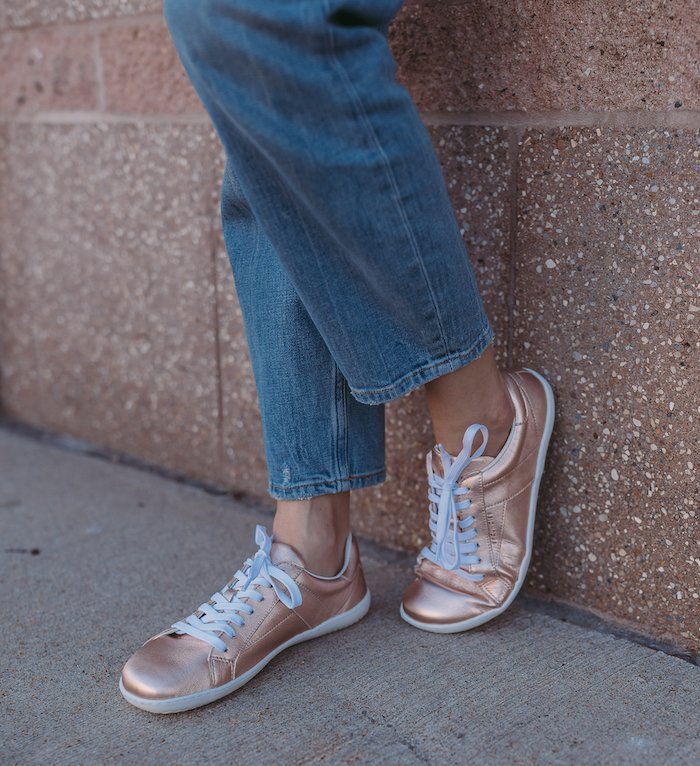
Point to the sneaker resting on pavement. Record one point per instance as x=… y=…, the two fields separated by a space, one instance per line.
x=269 y=605
x=482 y=515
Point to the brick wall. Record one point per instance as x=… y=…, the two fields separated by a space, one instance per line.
x=569 y=134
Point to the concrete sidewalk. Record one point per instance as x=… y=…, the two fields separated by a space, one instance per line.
x=95 y=557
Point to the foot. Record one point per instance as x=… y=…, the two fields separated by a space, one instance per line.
x=482 y=515
x=269 y=605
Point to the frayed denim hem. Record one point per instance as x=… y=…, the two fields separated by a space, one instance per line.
x=430 y=371
x=312 y=489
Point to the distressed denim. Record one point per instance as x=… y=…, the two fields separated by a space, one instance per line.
x=353 y=279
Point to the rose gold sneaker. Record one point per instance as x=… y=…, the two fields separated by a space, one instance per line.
x=269 y=605
x=482 y=516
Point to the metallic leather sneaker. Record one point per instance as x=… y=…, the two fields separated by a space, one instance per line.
x=270 y=604
x=482 y=517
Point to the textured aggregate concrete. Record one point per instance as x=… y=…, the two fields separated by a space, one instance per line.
x=606 y=307
x=43 y=70
x=112 y=338
x=142 y=73
x=96 y=557
x=527 y=55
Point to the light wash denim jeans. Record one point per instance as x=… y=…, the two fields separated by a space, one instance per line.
x=350 y=269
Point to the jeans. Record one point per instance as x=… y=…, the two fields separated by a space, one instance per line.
x=353 y=279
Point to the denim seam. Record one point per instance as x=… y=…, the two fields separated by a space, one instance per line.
x=406 y=383
x=354 y=481
x=341 y=422
x=330 y=480
x=390 y=174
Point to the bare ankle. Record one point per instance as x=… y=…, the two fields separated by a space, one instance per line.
x=317 y=528
x=499 y=425
x=475 y=393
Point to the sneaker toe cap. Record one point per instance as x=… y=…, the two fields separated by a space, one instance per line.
x=168 y=666
x=429 y=603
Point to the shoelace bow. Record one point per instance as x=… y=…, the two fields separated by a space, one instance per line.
x=453 y=543
x=256 y=571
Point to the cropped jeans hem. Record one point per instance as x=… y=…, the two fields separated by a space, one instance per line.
x=427 y=372
x=350 y=267
x=311 y=489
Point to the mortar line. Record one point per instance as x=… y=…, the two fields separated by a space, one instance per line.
x=689 y=118
x=509 y=119
x=77 y=26
x=90 y=117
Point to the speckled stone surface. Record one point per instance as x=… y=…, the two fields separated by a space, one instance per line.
x=477 y=172
x=608 y=305
x=46 y=69
x=142 y=73
x=536 y=55
x=109 y=322
x=23 y=13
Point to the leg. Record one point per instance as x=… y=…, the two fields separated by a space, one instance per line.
x=317 y=527
x=319 y=441
x=304 y=97
x=392 y=295
x=475 y=392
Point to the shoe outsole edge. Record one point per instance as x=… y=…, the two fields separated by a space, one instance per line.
x=197 y=699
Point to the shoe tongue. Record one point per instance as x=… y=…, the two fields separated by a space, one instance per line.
x=474 y=466
x=279 y=553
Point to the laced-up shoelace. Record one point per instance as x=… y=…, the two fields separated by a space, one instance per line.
x=256 y=571
x=453 y=542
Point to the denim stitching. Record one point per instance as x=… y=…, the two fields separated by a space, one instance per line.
x=403 y=384
x=330 y=481
x=340 y=421
x=390 y=174
x=346 y=416
x=355 y=481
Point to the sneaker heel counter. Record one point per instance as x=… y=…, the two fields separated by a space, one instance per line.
x=358 y=589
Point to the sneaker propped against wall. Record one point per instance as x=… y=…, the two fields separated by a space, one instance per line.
x=269 y=605
x=482 y=516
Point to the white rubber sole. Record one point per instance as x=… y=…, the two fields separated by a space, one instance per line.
x=191 y=701
x=473 y=622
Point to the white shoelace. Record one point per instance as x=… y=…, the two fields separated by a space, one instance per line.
x=453 y=542
x=258 y=571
